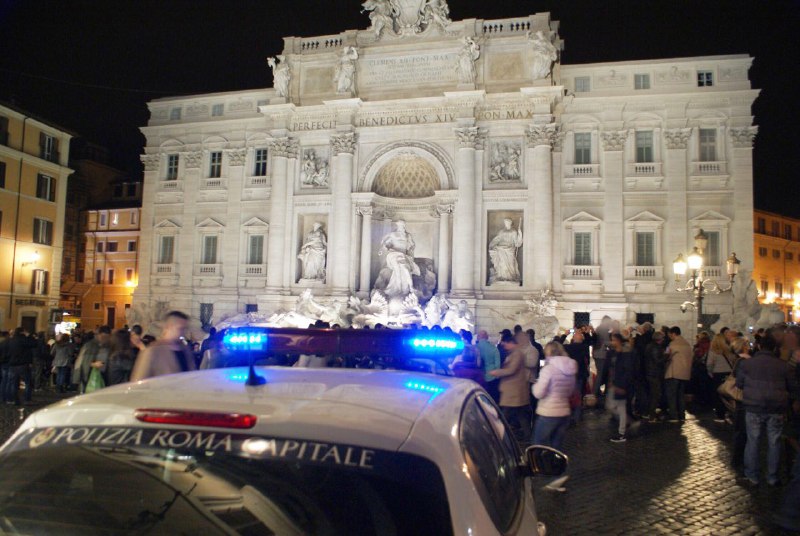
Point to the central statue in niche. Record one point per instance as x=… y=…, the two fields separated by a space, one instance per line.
x=402 y=276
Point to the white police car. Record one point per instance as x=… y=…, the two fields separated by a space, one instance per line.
x=310 y=451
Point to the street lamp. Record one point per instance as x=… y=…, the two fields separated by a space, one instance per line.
x=698 y=285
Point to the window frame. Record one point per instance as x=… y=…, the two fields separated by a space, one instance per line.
x=160 y=257
x=707 y=148
x=215 y=164
x=641 y=81
x=583 y=84
x=260 y=163
x=45 y=187
x=42 y=231
x=172 y=167
x=207 y=254
x=705 y=78
x=217 y=110
x=645 y=154
x=582 y=154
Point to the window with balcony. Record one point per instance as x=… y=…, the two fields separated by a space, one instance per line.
x=172 y=167
x=42 y=231
x=215 y=165
x=45 y=187
x=217 y=110
x=48 y=147
x=583 y=84
x=645 y=248
x=166 y=249
x=209 y=252
x=255 y=249
x=708 y=145
x=260 y=168
x=705 y=78
x=582 y=253
x=776 y=228
x=644 y=146
x=40 y=282
x=583 y=148
x=641 y=81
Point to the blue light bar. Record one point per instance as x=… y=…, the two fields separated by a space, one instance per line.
x=245 y=340
x=424 y=387
x=431 y=343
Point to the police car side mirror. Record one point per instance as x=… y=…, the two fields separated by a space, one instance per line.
x=545 y=461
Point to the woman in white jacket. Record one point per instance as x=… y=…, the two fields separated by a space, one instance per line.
x=553 y=390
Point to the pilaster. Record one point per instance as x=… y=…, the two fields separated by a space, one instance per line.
x=464 y=218
x=282 y=149
x=613 y=143
x=539 y=178
x=344 y=146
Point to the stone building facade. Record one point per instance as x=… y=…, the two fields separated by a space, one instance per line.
x=605 y=171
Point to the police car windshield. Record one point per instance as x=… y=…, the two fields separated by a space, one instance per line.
x=131 y=481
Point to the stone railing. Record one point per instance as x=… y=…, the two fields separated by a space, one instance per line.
x=257 y=182
x=582 y=170
x=254 y=270
x=644 y=169
x=170 y=186
x=504 y=26
x=714 y=272
x=644 y=272
x=208 y=269
x=213 y=184
x=709 y=168
x=581 y=272
x=320 y=43
x=165 y=268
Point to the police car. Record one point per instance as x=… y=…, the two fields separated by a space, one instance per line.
x=273 y=450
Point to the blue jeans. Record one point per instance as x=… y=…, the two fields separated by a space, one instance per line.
x=16 y=373
x=6 y=376
x=550 y=431
x=62 y=377
x=754 y=423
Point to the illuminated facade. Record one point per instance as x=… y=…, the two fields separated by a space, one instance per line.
x=777 y=261
x=33 y=188
x=605 y=172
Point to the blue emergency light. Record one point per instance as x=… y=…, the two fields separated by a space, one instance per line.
x=424 y=387
x=245 y=340
x=435 y=343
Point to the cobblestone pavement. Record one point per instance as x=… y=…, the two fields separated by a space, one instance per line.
x=666 y=479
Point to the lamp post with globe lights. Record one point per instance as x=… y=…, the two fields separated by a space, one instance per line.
x=698 y=285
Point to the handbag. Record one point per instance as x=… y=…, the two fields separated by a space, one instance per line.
x=95 y=381
x=728 y=388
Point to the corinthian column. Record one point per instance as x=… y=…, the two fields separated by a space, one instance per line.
x=344 y=145
x=464 y=217
x=443 y=272
x=366 y=248
x=538 y=269
x=282 y=149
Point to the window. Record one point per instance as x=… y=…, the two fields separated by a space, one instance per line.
x=708 y=145
x=112 y=247
x=641 y=318
x=787 y=231
x=103 y=219
x=48 y=147
x=130 y=189
x=583 y=148
x=118 y=190
x=175 y=114
x=641 y=81
x=711 y=254
x=129 y=274
x=250 y=307
x=134 y=217
x=764 y=287
x=98 y=277
x=115 y=218
x=762 y=252
x=260 y=163
x=779 y=289
x=45 y=187
x=583 y=84
x=81 y=276
x=761 y=226
x=217 y=110
x=789 y=256
x=39 y=282
x=644 y=146
x=209 y=254
x=3 y=130
x=776 y=254
x=166 y=249
x=255 y=249
x=110 y=276
x=42 y=231
x=172 y=167
x=131 y=245
x=2 y=174
x=96 y=306
x=776 y=228
x=100 y=247
x=583 y=249
x=645 y=249
x=705 y=78
x=215 y=165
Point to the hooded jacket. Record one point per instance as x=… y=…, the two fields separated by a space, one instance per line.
x=555 y=386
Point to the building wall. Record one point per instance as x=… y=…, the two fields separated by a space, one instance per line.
x=777 y=261
x=20 y=205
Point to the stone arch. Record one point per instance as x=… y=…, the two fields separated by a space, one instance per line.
x=432 y=154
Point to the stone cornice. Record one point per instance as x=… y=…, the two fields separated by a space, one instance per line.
x=677 y=138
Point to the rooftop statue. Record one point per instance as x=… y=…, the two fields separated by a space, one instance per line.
x=280 y=75
x=544 y=54
x=406 y=17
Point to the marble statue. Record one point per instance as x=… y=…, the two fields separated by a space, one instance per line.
x=280 y=75
x=544 y=54
x=746 y=312
x=381 y=15
x=345 y=75
x=315 y=171
x=312 y=254
x=539 y=315
x=505 y=164
x=458 y=317
x=397 y=248
x=406 y=17
x=467 y=56
x=503 y=254
x=437 y=12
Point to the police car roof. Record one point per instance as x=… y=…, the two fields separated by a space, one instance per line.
x=375 y=409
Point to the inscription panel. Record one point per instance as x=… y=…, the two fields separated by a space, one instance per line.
x=411 y=70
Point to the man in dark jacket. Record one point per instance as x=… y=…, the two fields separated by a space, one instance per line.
x=766 y=382
x=20 y=359
x=621 y=371
x=654 y=360
x=578 y=350
x=645 y=335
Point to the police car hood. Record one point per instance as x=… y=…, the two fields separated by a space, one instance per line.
x=375 y=409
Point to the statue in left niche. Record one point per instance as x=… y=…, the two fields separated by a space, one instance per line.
x=313 y=252
x=281 y=76
x=345 y=75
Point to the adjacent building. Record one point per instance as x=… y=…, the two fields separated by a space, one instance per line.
x=777 y=261
x=513 y=174
x=33 y=186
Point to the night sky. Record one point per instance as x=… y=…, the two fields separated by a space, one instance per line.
x=91 y=66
